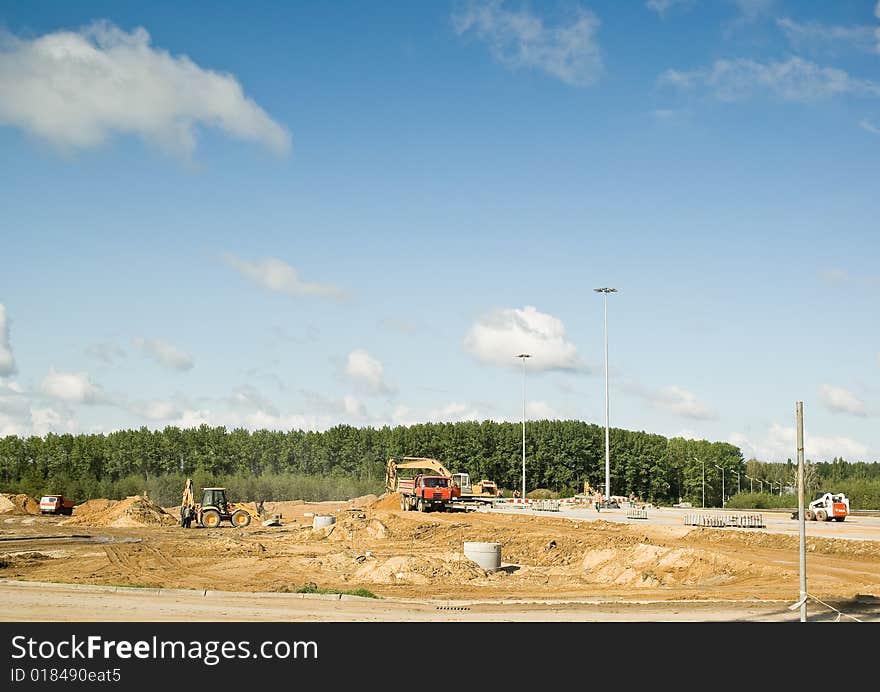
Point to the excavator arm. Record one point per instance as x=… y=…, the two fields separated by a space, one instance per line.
x=188 y=499
x=421 y=463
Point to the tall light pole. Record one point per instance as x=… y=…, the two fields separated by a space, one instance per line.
x=751 y=483
x=802 y=542
x=605 y=292
x=722 y=483
x=523 y=357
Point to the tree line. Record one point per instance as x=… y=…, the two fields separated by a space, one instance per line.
x=561 y=456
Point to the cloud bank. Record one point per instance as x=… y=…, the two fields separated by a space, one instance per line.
x=164 y=353
x=498 y=336
x=277 y=276
x=519 y=39
x=76 y=89
x=7 y=362
x=795 y=79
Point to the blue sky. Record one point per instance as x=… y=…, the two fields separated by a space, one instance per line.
x=299 y=214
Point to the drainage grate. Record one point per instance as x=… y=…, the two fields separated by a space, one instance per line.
x=453 y=607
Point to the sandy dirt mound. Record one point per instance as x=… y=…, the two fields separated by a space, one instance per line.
x=92 y=506
x=18 y=504
x=363 y=501
x=651 y=566
x=387 y=501
x=414 y=569
x=134 y=511
x=354 y=524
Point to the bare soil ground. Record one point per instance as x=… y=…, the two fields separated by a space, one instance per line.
x=410 y=555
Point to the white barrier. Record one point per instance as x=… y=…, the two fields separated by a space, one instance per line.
x=719 y=520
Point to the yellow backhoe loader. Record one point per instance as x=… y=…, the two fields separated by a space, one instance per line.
x=214 y=509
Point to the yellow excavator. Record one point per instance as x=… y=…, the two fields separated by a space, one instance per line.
x=214 y=509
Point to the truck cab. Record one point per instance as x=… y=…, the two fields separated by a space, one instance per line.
x=426 y=492
x=55 y=504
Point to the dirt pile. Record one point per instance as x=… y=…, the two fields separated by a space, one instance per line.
x=354 y=524
x=92 y=506
x=362 y=501
x=387 y=501
x=134 y=511
x=652 y=566
x=412 y=569
x=18 y=504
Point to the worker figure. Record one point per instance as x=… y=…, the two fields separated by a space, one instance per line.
x=516 y=493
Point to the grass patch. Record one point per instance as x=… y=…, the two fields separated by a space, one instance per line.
x=311 y=588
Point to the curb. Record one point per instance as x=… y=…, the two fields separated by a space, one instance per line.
x=205 y=593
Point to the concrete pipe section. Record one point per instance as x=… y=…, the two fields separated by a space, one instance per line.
x=322 y=521
x=486 y=555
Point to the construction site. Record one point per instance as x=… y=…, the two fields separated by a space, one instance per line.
x=368 y=559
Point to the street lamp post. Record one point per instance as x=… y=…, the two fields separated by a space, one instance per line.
x=751 y=483
x=722 y=483
x=605 y=292
x=523 y=357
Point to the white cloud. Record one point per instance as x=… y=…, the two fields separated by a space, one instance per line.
x=780 y=443
x=154 y=410
x=673 y=398
x=742 y=441
x=541 y=410
x=46 y=420
x=840 y=400
x=499 y=336
x=367 y=370
x=249 y=397
x=77 y=88
x=7 y=362
x=353 y=407
x=868 y=126
x=877 y=30
x=193 y=418
x=520 y=39
x=450 y=413
x=277 y=276
x=295 y=421
x=662 y=6
x=10 y=426
x=818 y=35
x=164 y=353
x=106 y=352
x=72 y=386
x=795 y=79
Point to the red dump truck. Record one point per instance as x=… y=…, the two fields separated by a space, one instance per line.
x=423 y=491
x=56 y=504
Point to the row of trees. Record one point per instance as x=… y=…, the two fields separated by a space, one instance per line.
x=560 y=456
